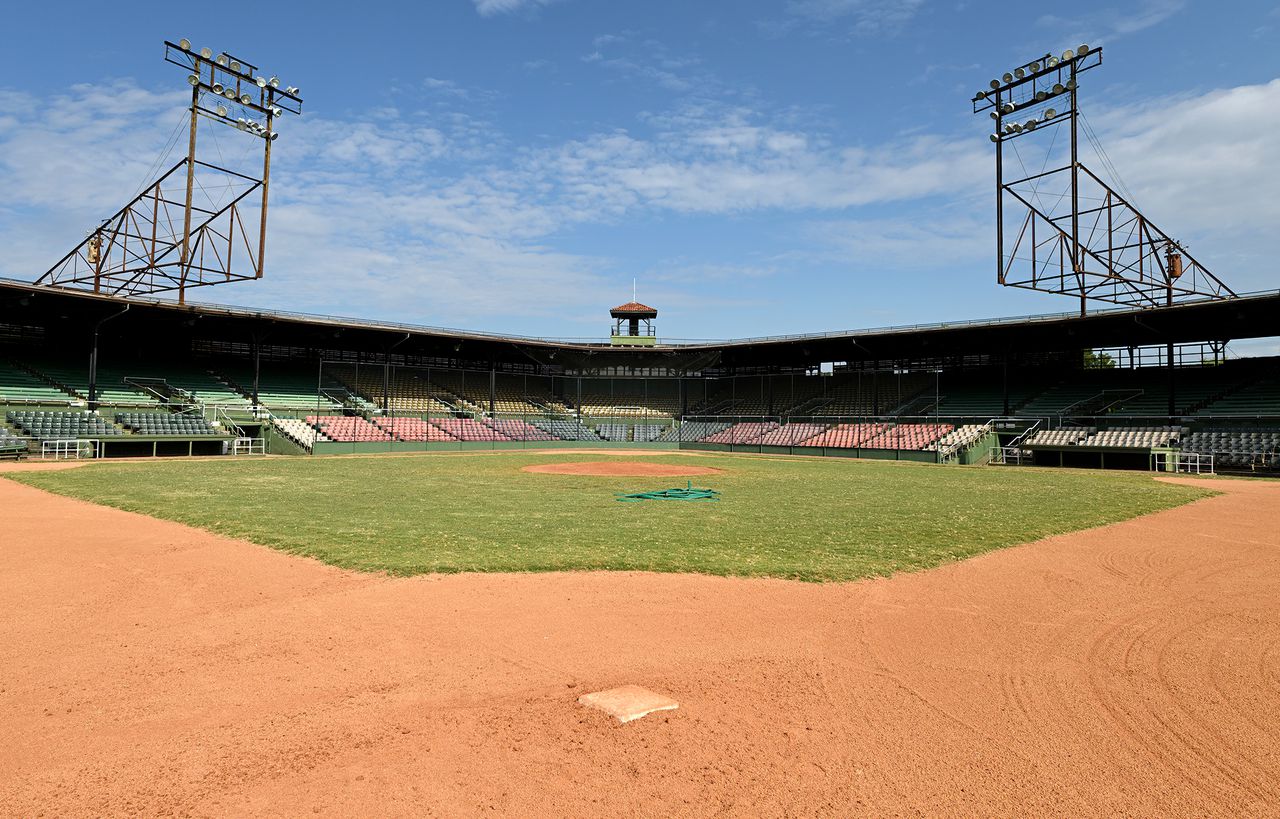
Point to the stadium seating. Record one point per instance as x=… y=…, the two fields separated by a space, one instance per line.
x=745 y=433
x=1067 y=436
x=791 y=434
x=299 y=431
x=960 y=438
x=1242 y=447
x=54 y=425
x=646 y=433
x=692 y=431
x=469 y=429
x=517 y=430
x=283 y=388
x=412 y=429
x=845 y=436
x=17 y=386
x=907 y=436
x=347 y=429
x=74 y=378
x=1134 y=437
x=566 y=430
x=11 y=445
x=613 y=432
x=166 y=423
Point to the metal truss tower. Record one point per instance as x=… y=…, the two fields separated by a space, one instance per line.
x=162 y=240
x=1063 y=229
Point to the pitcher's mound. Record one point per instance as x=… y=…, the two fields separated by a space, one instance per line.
x=623 y=469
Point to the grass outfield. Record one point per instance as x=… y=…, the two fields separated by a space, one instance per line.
x=811 y=519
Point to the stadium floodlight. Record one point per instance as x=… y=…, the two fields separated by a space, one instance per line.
x=223 y=60
x=293 y=91
x=1071 y=85
x=274 y=82
x=995 y=84
x=1058 y=88
x=1007 y=77
x=261 y=82
x=184 y=44
x=222 y=110
x=230 y=94
x=1018 y=73
x=1035 y=67
x=273 y=135
x=1041 y=96
x=245 y=99
x=206 y=53
x=217 y=88
x=192 y=79
x=1068 y=55
x=1050 y=113
x=995 y=137
x=978 y=97
x=994 y=115
x=1031 y=124
x=1083 y=49
x=235 y=66
x=276 y=111
x=1052 y=62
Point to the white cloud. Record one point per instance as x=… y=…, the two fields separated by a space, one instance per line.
x=1111 y=24
x=488 y=8
x=863 y=17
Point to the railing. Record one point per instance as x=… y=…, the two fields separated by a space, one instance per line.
x=249 y=446
x=70 y=448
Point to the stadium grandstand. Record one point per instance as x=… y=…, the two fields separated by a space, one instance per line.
x=1079 y=390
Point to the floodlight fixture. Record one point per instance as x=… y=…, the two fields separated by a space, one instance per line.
x=293 y=90
x=217 y=88
x=222 y=110
x=192 y=79
x=245 y=99
x=995 y=137
x=184 y=44
x=274 y=82
x=223 y=60
x=261 y=82
x=1007 y=77
x=1068 y=55
x=1071 y=85
x=1058 y=88
x=1083 y=50
x=1035 y=67
x=1018 y=73
x=229 y=93
x=206 y=53
x=235 y=66
x=1041 y=96
x=1052 y=62
x=1050 y=113
x=995 y=84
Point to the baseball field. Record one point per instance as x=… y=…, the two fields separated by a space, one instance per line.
x=988 y=641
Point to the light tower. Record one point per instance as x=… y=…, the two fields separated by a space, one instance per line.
x=164 y=240
x=1071 y=232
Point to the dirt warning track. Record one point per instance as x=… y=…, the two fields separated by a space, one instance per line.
x=151 y=668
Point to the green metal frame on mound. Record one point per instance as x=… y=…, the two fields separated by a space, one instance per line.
x=688 y=493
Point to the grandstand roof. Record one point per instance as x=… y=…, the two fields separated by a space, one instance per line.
x=59 y=317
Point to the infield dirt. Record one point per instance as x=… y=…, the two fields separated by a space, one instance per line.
x=152 y=668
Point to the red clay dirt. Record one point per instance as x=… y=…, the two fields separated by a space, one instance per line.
x=150 y=668
x=622 y=469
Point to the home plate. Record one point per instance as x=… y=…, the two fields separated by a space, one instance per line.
x=628 y=702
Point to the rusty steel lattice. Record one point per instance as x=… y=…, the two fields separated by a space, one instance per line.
x=168 y=239
x=1072 y=233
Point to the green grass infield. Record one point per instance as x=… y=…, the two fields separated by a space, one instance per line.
x=808 y=519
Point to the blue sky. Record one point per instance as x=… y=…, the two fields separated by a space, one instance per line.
x=759 y=167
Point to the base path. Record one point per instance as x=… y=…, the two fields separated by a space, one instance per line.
x=151 y=668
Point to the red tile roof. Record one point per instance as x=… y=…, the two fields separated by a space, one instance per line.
x=633 y=307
